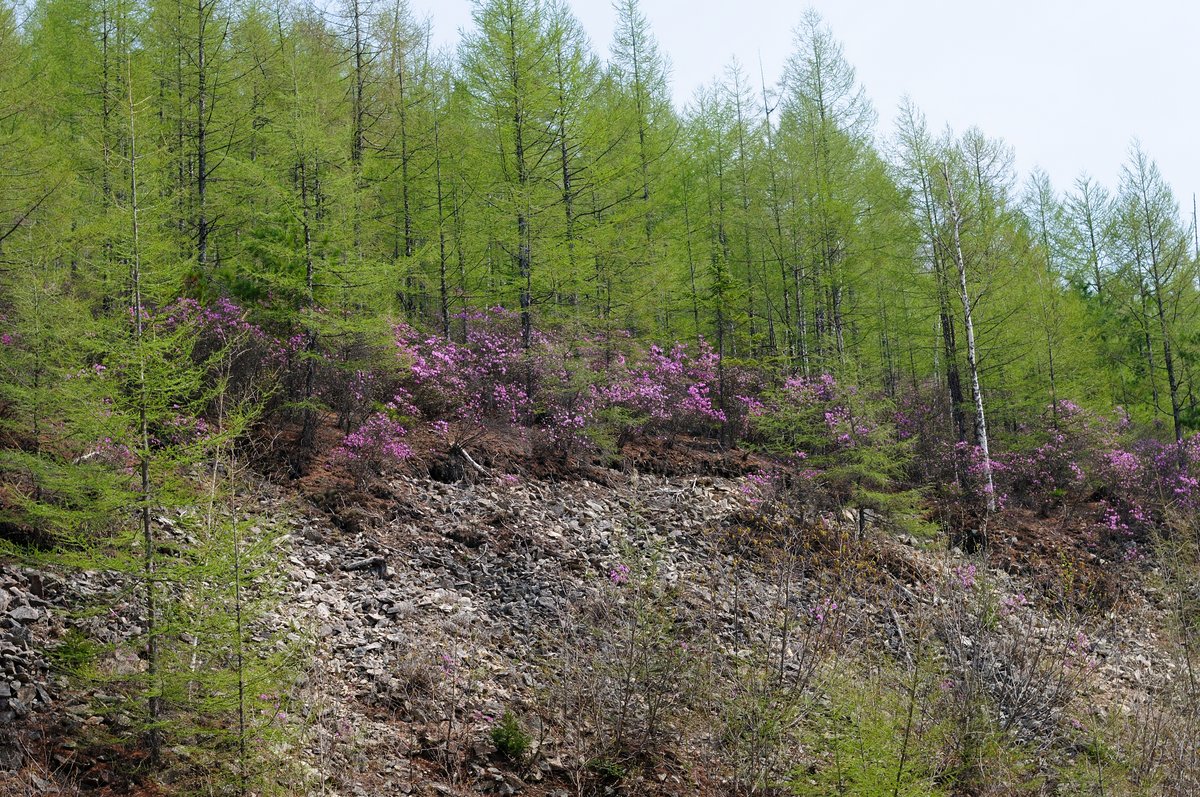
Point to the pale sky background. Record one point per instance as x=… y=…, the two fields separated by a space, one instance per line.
x=1067 y=84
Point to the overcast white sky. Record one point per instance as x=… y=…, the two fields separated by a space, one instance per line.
x=1067 y=83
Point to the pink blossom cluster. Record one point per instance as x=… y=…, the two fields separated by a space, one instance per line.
x=823 y=426
x=185 y=429
x=1012 y=603
x=757 y=487
x=483 y=379
x=379 y=440
x=819 y=388
x=559 y=389
x=668 y=388
x=224 y=324
x=825 y=609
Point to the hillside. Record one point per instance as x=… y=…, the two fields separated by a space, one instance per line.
x=651 y=635
x=378 y=419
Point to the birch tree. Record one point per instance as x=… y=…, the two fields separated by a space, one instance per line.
x=955 y=220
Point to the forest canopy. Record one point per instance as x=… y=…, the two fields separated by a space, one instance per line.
x=300 y=159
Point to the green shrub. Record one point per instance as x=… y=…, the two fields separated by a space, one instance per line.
x=75 y=654
x=607 y=770
x=877 y=738
x=511 y=740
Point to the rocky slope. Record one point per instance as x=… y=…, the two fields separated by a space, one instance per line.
x=478 y=585
x=423 y=620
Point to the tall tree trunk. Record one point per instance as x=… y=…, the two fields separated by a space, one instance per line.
x=1157 y=267
x=524 y=233
x=777 y=220
x=564 y=152
x=405 y=150
x=358 y=132
x=443 y=290
x=691 y=261
x=154 y=698
x=972 y=359
x=308 y=427
x=202 y=111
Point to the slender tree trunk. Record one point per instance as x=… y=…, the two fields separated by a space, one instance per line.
x=777 y=220
x=308 y=428
x=1093 y=249
x=524 y=233
x=405 y=154
x=443 y=291
x=154 y=699
x=107 y=198
x=969 y=326
x=1169 y=365
x=461 y=257
x=1195 y=231
x=691 y=261
x=1155 y=256
x=202 y=111
x=639 y=99
x=358 y=132
x=564 y=151
x=1053 y=381
x=946 y=325
x=240 y=631
x=744 y=190
x=1151 y=369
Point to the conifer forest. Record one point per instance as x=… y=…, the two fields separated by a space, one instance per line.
x=384 y=418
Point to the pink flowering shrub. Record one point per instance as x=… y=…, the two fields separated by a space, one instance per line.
x=1054 y=457
x=668 y=391
x=1069 y=455
x=564 y=392
x=378 y=442
x=619 y=574
x=1169 y=472
x=759 y=488
x=484 y=380
x=242 y=353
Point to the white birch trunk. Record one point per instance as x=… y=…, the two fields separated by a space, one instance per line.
x=972 y=360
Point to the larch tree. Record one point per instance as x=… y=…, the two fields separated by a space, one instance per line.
x=917 y=155
x=508 y=65
x=973 y=181
x=1044 y=212
x=1088 y=210
x=825 y=125
x=955 y=218
x=644 y=136
x=189 y=47
x=1154 y=249
x=710 y=137
x=575 y=72
x=401 y=138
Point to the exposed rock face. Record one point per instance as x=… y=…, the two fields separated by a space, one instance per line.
x=27 y=626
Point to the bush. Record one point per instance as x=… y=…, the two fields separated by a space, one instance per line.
x=511 y=740
x=75 y=654
x=842 y=445
x=574 y=394
x=876 y=738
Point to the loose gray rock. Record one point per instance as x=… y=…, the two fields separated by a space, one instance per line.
x=25 y=614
